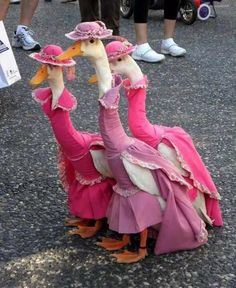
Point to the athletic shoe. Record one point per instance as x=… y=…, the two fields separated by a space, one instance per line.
x=24 y=40
x=172 y=49
x=147 y=55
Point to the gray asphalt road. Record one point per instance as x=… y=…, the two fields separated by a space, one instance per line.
x=196 y=92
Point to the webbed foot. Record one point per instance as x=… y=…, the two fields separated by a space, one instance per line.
x=130 y=257
x=114 y=244
x=86 y=231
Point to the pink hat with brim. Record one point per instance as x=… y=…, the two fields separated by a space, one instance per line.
x=117 y=49
x=90 y=30
x=48 y=56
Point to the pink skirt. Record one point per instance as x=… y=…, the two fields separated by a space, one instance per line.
x=90 y=202
x=134 y=213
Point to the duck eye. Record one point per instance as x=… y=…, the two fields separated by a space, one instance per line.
x=91 y=41
x=119 y=59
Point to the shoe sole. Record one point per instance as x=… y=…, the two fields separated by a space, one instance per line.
x=34 y=48
x=147 y=61
x=172 y=54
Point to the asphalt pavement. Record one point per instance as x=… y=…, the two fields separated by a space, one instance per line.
x=196 y=92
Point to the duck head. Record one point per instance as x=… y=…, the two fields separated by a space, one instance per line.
x=87 y=37
x=50 y=68
x=120 y=61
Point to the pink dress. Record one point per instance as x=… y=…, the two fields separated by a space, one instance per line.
x=88 y=191
x=178 y=139
x=131 y=210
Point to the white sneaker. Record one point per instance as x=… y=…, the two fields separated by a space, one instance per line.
x=172 y=49
x=147 y=54
x=14 y=1
x=24 y=40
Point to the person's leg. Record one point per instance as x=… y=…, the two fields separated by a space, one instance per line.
x=110 y=14
x=22 y=37
x=4 y=5
x=88 y=10
x=140 y=21
x=170 y=14
x=144 y=51
x=28 y=8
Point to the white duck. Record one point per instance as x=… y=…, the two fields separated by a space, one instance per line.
x=173 y=143
x=84 y=176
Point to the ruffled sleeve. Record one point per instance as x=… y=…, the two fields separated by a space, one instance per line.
x=42 y=95
x=110 y=99
x=140 y=84
x=66 y=101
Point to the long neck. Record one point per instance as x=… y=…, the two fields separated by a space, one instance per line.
x=133 y=71
x=57 y=86
x=103 y=73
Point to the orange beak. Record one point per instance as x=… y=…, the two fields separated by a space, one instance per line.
x=72 y=51
x=40 y=76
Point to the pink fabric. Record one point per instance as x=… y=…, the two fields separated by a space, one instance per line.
x=135 y=213
x=89 y=30
x=181 y=141
x=117 y=49
x=48 y=56
x=88 y=192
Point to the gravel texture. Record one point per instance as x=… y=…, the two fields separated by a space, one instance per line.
x=196 y=92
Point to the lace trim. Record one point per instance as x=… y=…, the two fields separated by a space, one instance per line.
x=62 y=169
x=39 y=100
x=196 y=183
x=203 y=236
x=88 y=182
x=107 y=105
x=125 y=192
x=152 y=166
x=64 y=108
x=143 y=83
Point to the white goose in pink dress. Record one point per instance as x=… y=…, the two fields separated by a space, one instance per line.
x=149 y=190
x=85 y=178
x=172 y=142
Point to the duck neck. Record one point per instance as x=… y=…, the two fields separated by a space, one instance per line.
x=104 y=75
x=57 y=86
x=134 y=72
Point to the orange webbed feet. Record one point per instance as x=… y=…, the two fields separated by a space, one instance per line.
x=114 y=244
x=130 y=257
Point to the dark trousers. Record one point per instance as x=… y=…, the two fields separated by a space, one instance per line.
x=141 y=10
x=110 y=12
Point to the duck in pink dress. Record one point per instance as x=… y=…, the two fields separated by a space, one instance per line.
x=89 y=191
x=149 y=189
x=172 y=142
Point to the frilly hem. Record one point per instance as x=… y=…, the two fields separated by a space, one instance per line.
x=47 y=93
x=143 y=83
x=196 y=183
x=39 y=100
x=125 y=192
x=108 y=105
x=65 y=108
x=203 y=236
x=152 y=166
x=88 y=182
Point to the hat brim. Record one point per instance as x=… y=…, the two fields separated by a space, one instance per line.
x=39 y=58
x=119 y=55
x=74 y=35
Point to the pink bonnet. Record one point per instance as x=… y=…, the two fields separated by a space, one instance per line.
x=89 y=30
x=117 y=49
x=48 y=56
